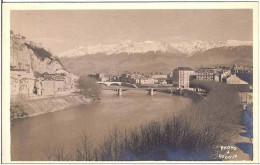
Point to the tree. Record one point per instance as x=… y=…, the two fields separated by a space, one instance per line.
x=88 y=87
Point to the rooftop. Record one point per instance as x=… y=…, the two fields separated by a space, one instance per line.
x=184 y=68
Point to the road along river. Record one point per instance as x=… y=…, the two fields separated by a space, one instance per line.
x=32 y=137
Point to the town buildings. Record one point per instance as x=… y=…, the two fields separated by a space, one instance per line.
x=241 y=69
x=160 y=78
x=25 y=83
x=205 y=75
x=145 y=80
x=243 y=72
x=61 y=80
x=180 y=77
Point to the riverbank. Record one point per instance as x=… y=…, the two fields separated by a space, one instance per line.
x=191 y=94
x=21 y=108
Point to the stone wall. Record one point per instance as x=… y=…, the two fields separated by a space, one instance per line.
x=41 y=106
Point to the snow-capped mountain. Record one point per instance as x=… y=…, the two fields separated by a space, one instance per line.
x=130 y=47
x=199 y=46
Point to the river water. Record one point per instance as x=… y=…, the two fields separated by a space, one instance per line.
x=32 y=138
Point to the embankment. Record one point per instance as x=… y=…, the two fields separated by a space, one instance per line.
x=29 y=108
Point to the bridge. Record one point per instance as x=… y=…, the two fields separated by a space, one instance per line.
x=120 y=87
x=150 y=90
x=108 y=83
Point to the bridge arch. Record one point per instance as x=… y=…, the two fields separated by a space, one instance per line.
x=101 y=83
x=108 y=83
x=117 y=84
x=129 y=85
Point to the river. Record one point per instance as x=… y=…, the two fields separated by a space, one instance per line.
x=32 y=137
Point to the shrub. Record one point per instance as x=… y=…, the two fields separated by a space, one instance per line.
x=88 y=87
x=18 y=106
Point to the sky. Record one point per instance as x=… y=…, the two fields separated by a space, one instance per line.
x=65 y=29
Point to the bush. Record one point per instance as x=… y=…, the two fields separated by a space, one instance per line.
x=88 y=87
x=18 y=106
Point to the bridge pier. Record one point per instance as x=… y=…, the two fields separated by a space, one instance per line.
x=119 y=92
x=151 y=92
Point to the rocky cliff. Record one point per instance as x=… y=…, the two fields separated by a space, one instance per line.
x=28 y=55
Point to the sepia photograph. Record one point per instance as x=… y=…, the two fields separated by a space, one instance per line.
x=125 y=84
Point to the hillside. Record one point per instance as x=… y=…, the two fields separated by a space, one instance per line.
x=27 y=55
x=157 y=61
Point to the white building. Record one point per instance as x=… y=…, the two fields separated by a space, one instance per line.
x=146 y=81
x=160 y=76
x=181 y=77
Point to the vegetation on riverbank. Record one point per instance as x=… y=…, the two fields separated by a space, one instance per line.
x=201 y=128
x=17 y=107
x=88 y=87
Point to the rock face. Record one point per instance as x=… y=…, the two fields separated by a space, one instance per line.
x=26 y=55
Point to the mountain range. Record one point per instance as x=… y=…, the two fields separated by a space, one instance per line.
x=130 y=47
x=154 y=56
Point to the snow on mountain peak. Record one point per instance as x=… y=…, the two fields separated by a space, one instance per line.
x=129 y=47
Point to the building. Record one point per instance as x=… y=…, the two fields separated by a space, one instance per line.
x=233 y=79
x=160 y=78
x=145 y=80
x=125 y=77
x=60 y=80
x=162 y=81
x=114 y=78
x=224 y=74
x=169 y=78
x=241 y=69
x=46 y=87
x=22 y=82
x=205 y=75
x=181 y=77
x=68 y=78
